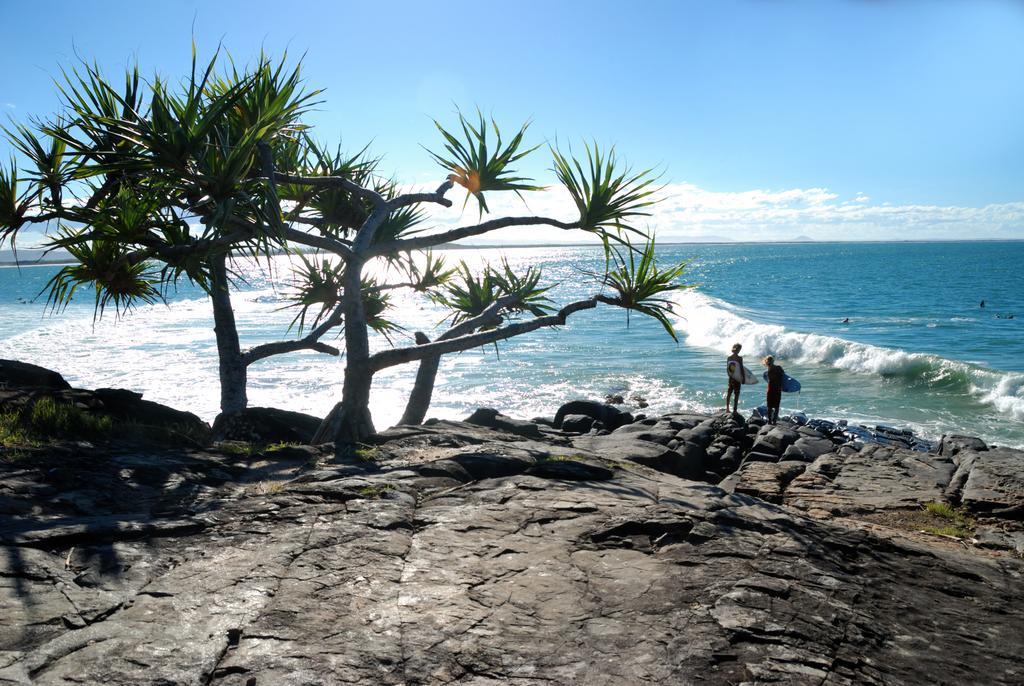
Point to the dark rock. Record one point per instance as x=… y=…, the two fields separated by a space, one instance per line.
x=610 y=416
x=129 y=406
x=680 y=421
x=268 y=425
x=694 y=454
x=774 y=440
x=646 y=433
x=730 y=460
x=702 y=434
x=570 y=470
x=807 y=449
x=811 y=432
x=952 y=444
x=755 y=456
x=630 y=449
x=491 y=418
x=577 y=423
x=15 y=374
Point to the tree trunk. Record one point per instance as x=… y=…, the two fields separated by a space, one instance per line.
x=350 y=421
x=233 y=397
x=419 y=399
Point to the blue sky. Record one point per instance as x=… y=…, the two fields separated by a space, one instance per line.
x=770 y=119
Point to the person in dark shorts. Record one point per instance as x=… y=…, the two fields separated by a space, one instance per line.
x=734 y=368
x=774 y=396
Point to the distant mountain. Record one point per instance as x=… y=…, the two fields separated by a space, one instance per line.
x=696 y=239
x=800 y=239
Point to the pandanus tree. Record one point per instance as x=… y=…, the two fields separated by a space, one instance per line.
x=148 y=184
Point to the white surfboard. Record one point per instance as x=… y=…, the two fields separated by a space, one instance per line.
x=740 y=373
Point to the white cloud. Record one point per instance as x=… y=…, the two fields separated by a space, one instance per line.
x=687 y=211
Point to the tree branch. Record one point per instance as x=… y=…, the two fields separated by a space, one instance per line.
x=332 y=182
x=390 y=358
x=40 y=218
x=322 y=242
x=421 y=242
x=413 y=198
x=309 y=342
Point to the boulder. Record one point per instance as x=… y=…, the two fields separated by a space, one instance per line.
x=14 y=374
x=774 y=440
x=688 y=465
x=757 y=456
x=646 y=433
x=577 y=423
x=491 y=418
x=730 y=460
x=807 y=449
x=268 y=425
x=680 y=421
x=610 y=416
x=703 y=434
x=952 y=444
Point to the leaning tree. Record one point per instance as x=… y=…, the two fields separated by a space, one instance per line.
x=150 y=184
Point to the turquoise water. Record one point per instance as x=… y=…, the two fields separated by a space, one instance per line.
x=918 y=350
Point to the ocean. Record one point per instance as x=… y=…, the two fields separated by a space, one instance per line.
x=918 y=350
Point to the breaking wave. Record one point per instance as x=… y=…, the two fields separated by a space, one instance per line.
x=708 y=322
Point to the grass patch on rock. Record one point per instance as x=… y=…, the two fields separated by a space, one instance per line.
x=376 y=491
x=937 y=519
x=952 y=521
x=48 y=419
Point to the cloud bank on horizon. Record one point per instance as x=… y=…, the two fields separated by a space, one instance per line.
x=687 y=212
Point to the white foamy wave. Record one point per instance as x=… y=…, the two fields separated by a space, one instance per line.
x=708 y=322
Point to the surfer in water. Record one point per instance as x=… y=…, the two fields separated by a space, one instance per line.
x=734 y=370
x=774 y=397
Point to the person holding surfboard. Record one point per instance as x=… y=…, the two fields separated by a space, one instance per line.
x=734 y=368
x=775 y=376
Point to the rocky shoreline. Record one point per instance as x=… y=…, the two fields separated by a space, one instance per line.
x=589 y=548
